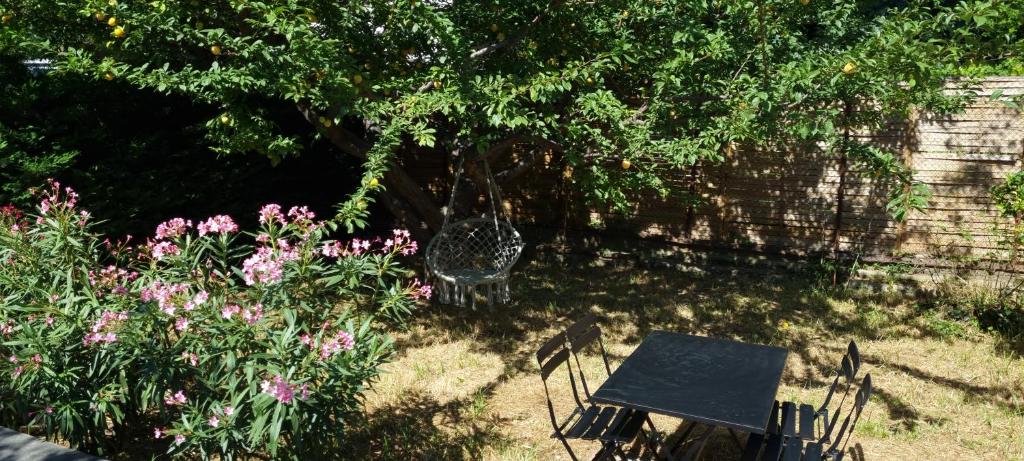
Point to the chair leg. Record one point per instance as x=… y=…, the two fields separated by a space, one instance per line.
x=686 y=433
x=652 y=439
x=572 y=455
x=693 y=454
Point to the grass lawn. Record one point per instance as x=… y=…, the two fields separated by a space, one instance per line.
x=465 y=384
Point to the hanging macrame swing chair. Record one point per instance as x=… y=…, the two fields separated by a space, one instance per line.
x=474 y=254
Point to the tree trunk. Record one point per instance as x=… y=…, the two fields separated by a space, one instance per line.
x=404 y=198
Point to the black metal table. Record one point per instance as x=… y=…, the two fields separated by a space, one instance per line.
x=707 y=380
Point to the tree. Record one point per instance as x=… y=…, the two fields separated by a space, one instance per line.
x=623 y=91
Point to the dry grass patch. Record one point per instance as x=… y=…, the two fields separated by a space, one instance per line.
x=465 y=385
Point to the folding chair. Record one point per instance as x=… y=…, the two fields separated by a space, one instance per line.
x=815 y=424
x=611 y=426
x=816 y=451
x=584 y=335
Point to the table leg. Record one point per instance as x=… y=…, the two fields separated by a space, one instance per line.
x=736 y=439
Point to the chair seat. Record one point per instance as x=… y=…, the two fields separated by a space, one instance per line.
x=608 y=424
x=791 y=413
x=807 y=417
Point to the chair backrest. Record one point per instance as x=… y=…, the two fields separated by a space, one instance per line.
x=582 y=335
x=551 y=356
x=846 y=430
x=477 y=244
x=849 y=365
x=854 y=354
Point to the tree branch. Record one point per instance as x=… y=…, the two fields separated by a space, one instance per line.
x=396 y=180
x=509 y=42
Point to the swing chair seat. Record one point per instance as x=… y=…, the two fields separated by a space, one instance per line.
x=472 y=254
x=470 y=276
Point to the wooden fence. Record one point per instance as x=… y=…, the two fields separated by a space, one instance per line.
x=797 y=202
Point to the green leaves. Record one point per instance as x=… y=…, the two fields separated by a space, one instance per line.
x=230 y=350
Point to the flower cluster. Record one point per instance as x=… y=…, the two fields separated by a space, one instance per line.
x=177 y=399
x=9 y=215
x=173 y=228
x=53 y=199
x=100 y=331
x=420 y=291
x=282 y=390
x=167 y=295
x=220 y=224
x=112 y=278
x=178 y=329
x=160 y=250
x=341 y=341
x=271 y=213
x=266 y=266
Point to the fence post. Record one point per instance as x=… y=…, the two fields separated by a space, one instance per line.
x=910 y=136
x=841 y=189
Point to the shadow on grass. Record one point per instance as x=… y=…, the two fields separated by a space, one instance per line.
x=411 y=430
x=785 y=309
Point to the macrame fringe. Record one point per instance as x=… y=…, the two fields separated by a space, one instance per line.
x=497 y=292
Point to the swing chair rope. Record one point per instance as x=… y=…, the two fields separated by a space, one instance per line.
x=451 y=198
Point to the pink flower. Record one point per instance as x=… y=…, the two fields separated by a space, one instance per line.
x=49 y=320
x=12 y=359
x=220 y=224
x=179 y=439
x=199 y=299
x=301 y=214
x=37 y=358
x=229 y=310
x=158 y=433
x=341 y=341
x=418 y=290
x=100 y=330
x=332 y=249
x=17 y=372
x=345 y=340
x=228 y=411
x=359 y=246
x=177 y=399
x=251 y=316
x=181 y=324
x=214 y=421
x=270 y=213
x=54 y=298
x=264 y=267
x=49 y=410
x=162 y=249
x=190 y=358
x=172 y=228
x=410 y=249
x=306 y=339
x=167 y=296
x=283 y=391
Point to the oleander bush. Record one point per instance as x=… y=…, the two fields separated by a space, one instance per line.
x=224 y=343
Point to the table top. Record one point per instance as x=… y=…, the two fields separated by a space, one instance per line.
x=708 y=380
